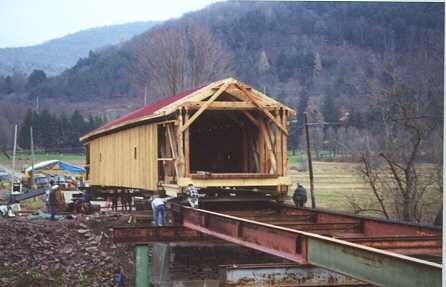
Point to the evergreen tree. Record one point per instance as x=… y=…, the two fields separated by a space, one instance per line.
x=35 y=78
x=317 y=67
x=329 y=110
x=23 y=138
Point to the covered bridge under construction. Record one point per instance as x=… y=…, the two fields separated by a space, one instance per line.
x=228 y=135
x=224 y=134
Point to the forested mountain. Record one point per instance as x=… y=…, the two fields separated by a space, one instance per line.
x=56 y=55
x=275 y=45
x=333 y=60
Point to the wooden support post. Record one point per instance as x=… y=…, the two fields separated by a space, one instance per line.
x=142 y=266
x=269 y=146
x=285 y=144
x=172 y=148
x=310 y=163
x=186 y=146
x=180 y=144
x=278 y=144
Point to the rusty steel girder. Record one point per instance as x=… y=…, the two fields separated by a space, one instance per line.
x=280 y=274
x=151 y=234
x=368 y=264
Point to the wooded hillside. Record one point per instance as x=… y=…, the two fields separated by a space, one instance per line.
x=334 y=60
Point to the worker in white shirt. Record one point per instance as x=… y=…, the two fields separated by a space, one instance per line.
x=192 y=195
x=159 y=208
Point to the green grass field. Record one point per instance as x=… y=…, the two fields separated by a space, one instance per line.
x=336 y=184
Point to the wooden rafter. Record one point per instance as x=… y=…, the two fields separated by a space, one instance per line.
x=222 y=105
x=263 y=109
x=204 y=106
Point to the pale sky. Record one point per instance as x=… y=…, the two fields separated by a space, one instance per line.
x=30 y=22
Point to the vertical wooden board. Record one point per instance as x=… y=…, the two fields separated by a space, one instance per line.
x=132 y=162
x=117 y=166
x=154 y=157
x=92 y=161
x=148 y=139
x=127 y=168
x=139 y=156
x=145 y=137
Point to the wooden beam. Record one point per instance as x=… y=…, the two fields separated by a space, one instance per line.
x=285 y=143
x=278 y=143
x=269 y=146
x=222 y=105
x=260 y=107
x=251 y=118
x=254 y=181
x=180 y=144
x=186 y=147
x=203 y=107
x=172 y=148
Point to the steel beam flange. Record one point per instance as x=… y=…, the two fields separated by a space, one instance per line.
x=368 y=264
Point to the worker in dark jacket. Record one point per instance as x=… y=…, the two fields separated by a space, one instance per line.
x=300 y=196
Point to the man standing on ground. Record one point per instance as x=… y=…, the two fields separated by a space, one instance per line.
x=52 y=200
x=300 y=196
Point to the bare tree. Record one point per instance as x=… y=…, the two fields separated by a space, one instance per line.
x=173 y=58
x=208 y=59
x=161 y=60
x=316 y=119
x=396 y=172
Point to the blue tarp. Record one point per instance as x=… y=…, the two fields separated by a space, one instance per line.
x=71 y=168
x=57 y=165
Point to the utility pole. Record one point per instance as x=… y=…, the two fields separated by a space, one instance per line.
x=32 y=156
x=13 y=159
x=310 y=162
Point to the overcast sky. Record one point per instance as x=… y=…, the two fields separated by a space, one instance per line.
x=30 y=22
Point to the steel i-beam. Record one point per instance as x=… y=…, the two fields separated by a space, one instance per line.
x=368 y=264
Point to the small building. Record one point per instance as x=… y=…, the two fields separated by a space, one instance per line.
x=221 y=135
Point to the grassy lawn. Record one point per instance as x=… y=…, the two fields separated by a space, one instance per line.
x=336 y=184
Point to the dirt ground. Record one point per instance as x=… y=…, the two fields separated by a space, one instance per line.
x=70 y=252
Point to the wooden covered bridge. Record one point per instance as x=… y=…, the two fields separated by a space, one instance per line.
x=224 y=134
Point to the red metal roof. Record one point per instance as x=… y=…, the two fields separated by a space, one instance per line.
x=148 y=110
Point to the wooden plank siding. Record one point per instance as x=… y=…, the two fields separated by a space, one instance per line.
x=113 y=161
